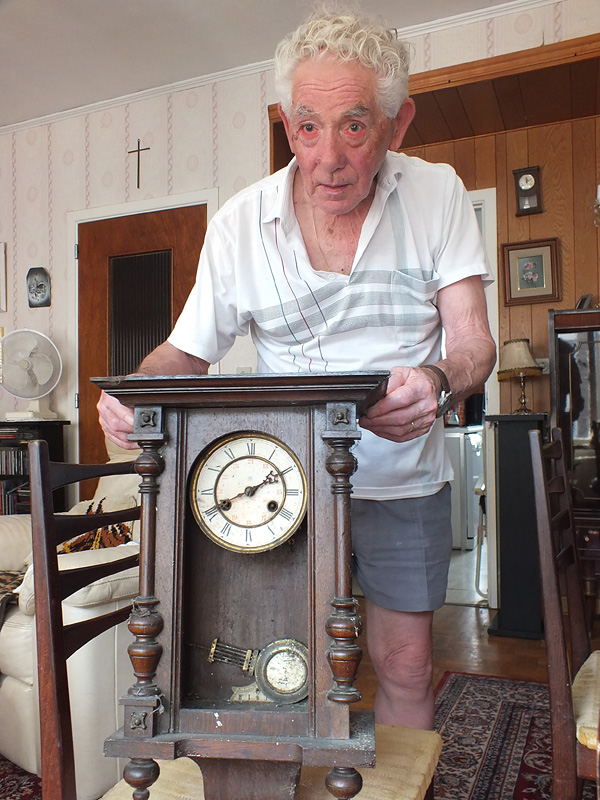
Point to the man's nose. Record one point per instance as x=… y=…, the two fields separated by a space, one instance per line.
x=332 y=154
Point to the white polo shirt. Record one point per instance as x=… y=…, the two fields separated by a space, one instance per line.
x=254 y=276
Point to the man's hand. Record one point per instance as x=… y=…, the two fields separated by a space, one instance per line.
x=408 y=410
x=116 y=421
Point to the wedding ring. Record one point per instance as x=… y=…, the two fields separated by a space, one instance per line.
x=412 y=426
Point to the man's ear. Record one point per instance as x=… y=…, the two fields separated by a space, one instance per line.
x=403 y=119
x=286 y=125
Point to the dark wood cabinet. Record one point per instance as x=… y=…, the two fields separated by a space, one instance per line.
x=575 y=403
x=519 y=594
x=14 y=467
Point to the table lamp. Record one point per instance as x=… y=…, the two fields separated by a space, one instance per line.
x=517 y=361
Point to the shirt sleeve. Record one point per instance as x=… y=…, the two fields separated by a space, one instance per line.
x=459 y=251
x=209 y=322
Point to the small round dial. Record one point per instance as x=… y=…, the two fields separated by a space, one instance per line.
x=248 y=492
x=282 y=671
x=526 y=181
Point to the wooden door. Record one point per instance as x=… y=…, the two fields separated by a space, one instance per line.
x=180 y=231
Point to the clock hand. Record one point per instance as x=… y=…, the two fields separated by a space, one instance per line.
x=272 y=477
x=249 y=491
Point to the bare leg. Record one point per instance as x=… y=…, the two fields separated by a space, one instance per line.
x=400 y=647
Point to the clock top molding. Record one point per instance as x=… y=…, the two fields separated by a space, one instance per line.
x=225 y=391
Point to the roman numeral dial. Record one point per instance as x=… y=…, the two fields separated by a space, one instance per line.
x=248 y=492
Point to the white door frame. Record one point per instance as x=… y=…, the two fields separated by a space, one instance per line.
x=484 y=202
x=208 y=197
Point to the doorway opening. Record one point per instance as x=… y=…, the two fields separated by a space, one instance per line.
x=89 y=319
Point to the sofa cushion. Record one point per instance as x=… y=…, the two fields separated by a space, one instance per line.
x=19 y=738
x=586 y=700
x=118 y=484
x=123 y=585
x=17 y=640
x=15 y=540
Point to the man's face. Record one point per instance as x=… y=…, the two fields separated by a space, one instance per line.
x=337 y=132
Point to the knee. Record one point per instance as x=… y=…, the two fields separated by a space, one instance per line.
x=409 y=666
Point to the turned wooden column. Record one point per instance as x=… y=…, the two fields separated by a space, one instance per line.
x=144 y=700
x=344 y=624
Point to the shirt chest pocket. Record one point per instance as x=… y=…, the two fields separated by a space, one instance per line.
x=413 y=295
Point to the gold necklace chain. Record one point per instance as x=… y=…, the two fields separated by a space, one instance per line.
x=312 y=211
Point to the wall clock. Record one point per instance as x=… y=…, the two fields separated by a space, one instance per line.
x=245 y=627
x=528 y=190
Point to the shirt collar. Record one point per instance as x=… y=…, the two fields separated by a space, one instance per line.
x=283 y=205
x=390 y=172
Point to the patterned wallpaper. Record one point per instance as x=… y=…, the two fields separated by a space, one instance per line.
x=212 y=132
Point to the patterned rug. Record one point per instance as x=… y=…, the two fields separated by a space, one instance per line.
x=496 y=736
x=16 y=784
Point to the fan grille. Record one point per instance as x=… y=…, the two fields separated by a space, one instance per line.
x=31 y=364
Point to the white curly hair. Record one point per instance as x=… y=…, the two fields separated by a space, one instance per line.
x=348 y=37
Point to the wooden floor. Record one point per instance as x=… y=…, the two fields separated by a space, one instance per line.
x=461 y=644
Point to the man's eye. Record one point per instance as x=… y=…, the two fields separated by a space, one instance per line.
x=354 y=127
x=308 y=127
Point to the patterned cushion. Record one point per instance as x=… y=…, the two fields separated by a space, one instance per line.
x=586 y=700
x=9 y=581
x=110 y=536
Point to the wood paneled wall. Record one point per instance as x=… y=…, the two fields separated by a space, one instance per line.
x=569 y=156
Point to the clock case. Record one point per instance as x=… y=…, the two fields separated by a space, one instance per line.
x=193 y=591
x=528 y=200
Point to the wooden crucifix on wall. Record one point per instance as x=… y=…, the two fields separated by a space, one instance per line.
x=138 y=150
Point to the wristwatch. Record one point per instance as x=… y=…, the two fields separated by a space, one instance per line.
x=445 y=398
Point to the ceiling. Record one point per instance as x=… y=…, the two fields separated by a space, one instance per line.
x=507 y=102
x=57 y=55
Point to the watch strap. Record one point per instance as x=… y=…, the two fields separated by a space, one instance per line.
x=445 y=398
x=444 y=382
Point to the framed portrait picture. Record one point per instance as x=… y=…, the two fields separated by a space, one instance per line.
x=531 y=271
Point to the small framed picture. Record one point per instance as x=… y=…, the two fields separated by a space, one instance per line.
x=38 y=287
x=531 y=271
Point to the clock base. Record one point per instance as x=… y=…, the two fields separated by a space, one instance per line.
x=248 y=780
x=224 y=779
x=264 y=769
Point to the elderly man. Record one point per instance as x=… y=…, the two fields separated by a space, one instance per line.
x=354 y=258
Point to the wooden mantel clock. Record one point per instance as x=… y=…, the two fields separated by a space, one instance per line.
x=245 y=629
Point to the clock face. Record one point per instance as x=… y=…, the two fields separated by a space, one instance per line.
x=248 y=492
x=526 y=181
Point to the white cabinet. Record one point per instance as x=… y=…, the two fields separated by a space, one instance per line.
x=465 y=448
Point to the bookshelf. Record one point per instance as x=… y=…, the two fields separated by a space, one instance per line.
x=14 y=467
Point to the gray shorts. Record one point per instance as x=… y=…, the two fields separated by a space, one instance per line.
x=401 y=550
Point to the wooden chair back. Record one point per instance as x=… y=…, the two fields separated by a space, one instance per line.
x=564 y=612
x=55 y=641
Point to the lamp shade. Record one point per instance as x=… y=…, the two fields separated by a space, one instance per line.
x=517 y=360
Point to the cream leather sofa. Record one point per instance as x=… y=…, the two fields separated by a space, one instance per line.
x=98 y=674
